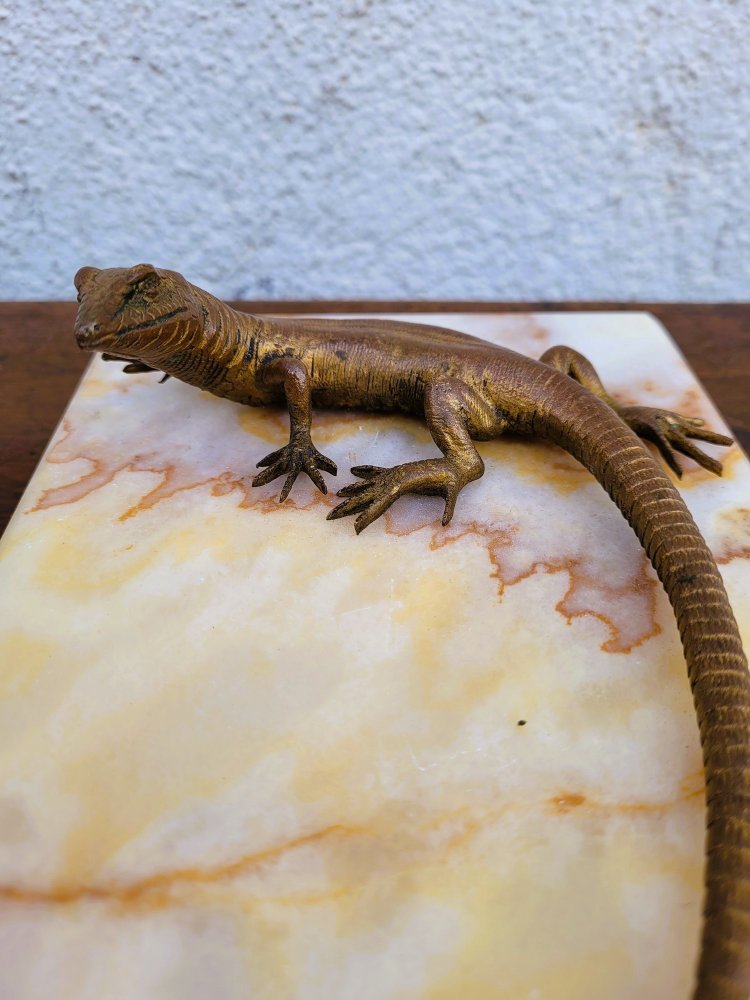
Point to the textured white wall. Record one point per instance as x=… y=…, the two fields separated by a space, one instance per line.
x=379 y=148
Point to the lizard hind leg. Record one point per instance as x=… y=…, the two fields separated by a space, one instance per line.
x=454 y=413
x=670 y=432
x=578 y=367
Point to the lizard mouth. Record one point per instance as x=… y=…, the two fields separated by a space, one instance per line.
x=90 y=337
x=154 y=321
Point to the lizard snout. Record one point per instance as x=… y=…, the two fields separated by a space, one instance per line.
x=85 y=334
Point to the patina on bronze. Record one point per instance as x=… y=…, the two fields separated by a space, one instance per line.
x=467 y=390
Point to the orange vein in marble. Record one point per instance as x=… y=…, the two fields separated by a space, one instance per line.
x=160 y=881
x=156 y=890
x=602 y=594
x=739 y=519
x=588 y=593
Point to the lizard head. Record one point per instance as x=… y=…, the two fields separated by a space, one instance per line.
x=130 y=312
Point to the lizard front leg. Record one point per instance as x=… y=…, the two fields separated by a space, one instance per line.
x=453 y=413
x=669 y=431
x=300 y=455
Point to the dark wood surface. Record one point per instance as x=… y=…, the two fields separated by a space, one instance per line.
x=40 y=364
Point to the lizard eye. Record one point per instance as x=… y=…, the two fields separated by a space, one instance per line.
x=143 y=276
x=148 y=282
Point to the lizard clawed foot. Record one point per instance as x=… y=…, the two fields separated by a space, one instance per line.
x=670 y=432
x=300 y=455
x=380 y=487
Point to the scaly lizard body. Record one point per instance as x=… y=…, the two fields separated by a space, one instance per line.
x=467 y=390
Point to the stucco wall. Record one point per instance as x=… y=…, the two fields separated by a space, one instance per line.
x=321 y=148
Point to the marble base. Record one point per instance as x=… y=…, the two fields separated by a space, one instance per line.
x=246 y=753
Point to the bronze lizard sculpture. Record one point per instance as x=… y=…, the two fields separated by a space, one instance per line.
x=467 y=389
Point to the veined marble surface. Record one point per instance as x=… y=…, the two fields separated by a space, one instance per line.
x=248 y=754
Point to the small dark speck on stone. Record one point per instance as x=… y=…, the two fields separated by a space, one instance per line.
x=521 y=722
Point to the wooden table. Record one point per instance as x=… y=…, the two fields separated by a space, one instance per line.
x=40 y=363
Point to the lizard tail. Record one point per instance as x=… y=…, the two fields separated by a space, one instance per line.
x=717 y=669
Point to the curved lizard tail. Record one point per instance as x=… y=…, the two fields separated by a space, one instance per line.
x=717 y=668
